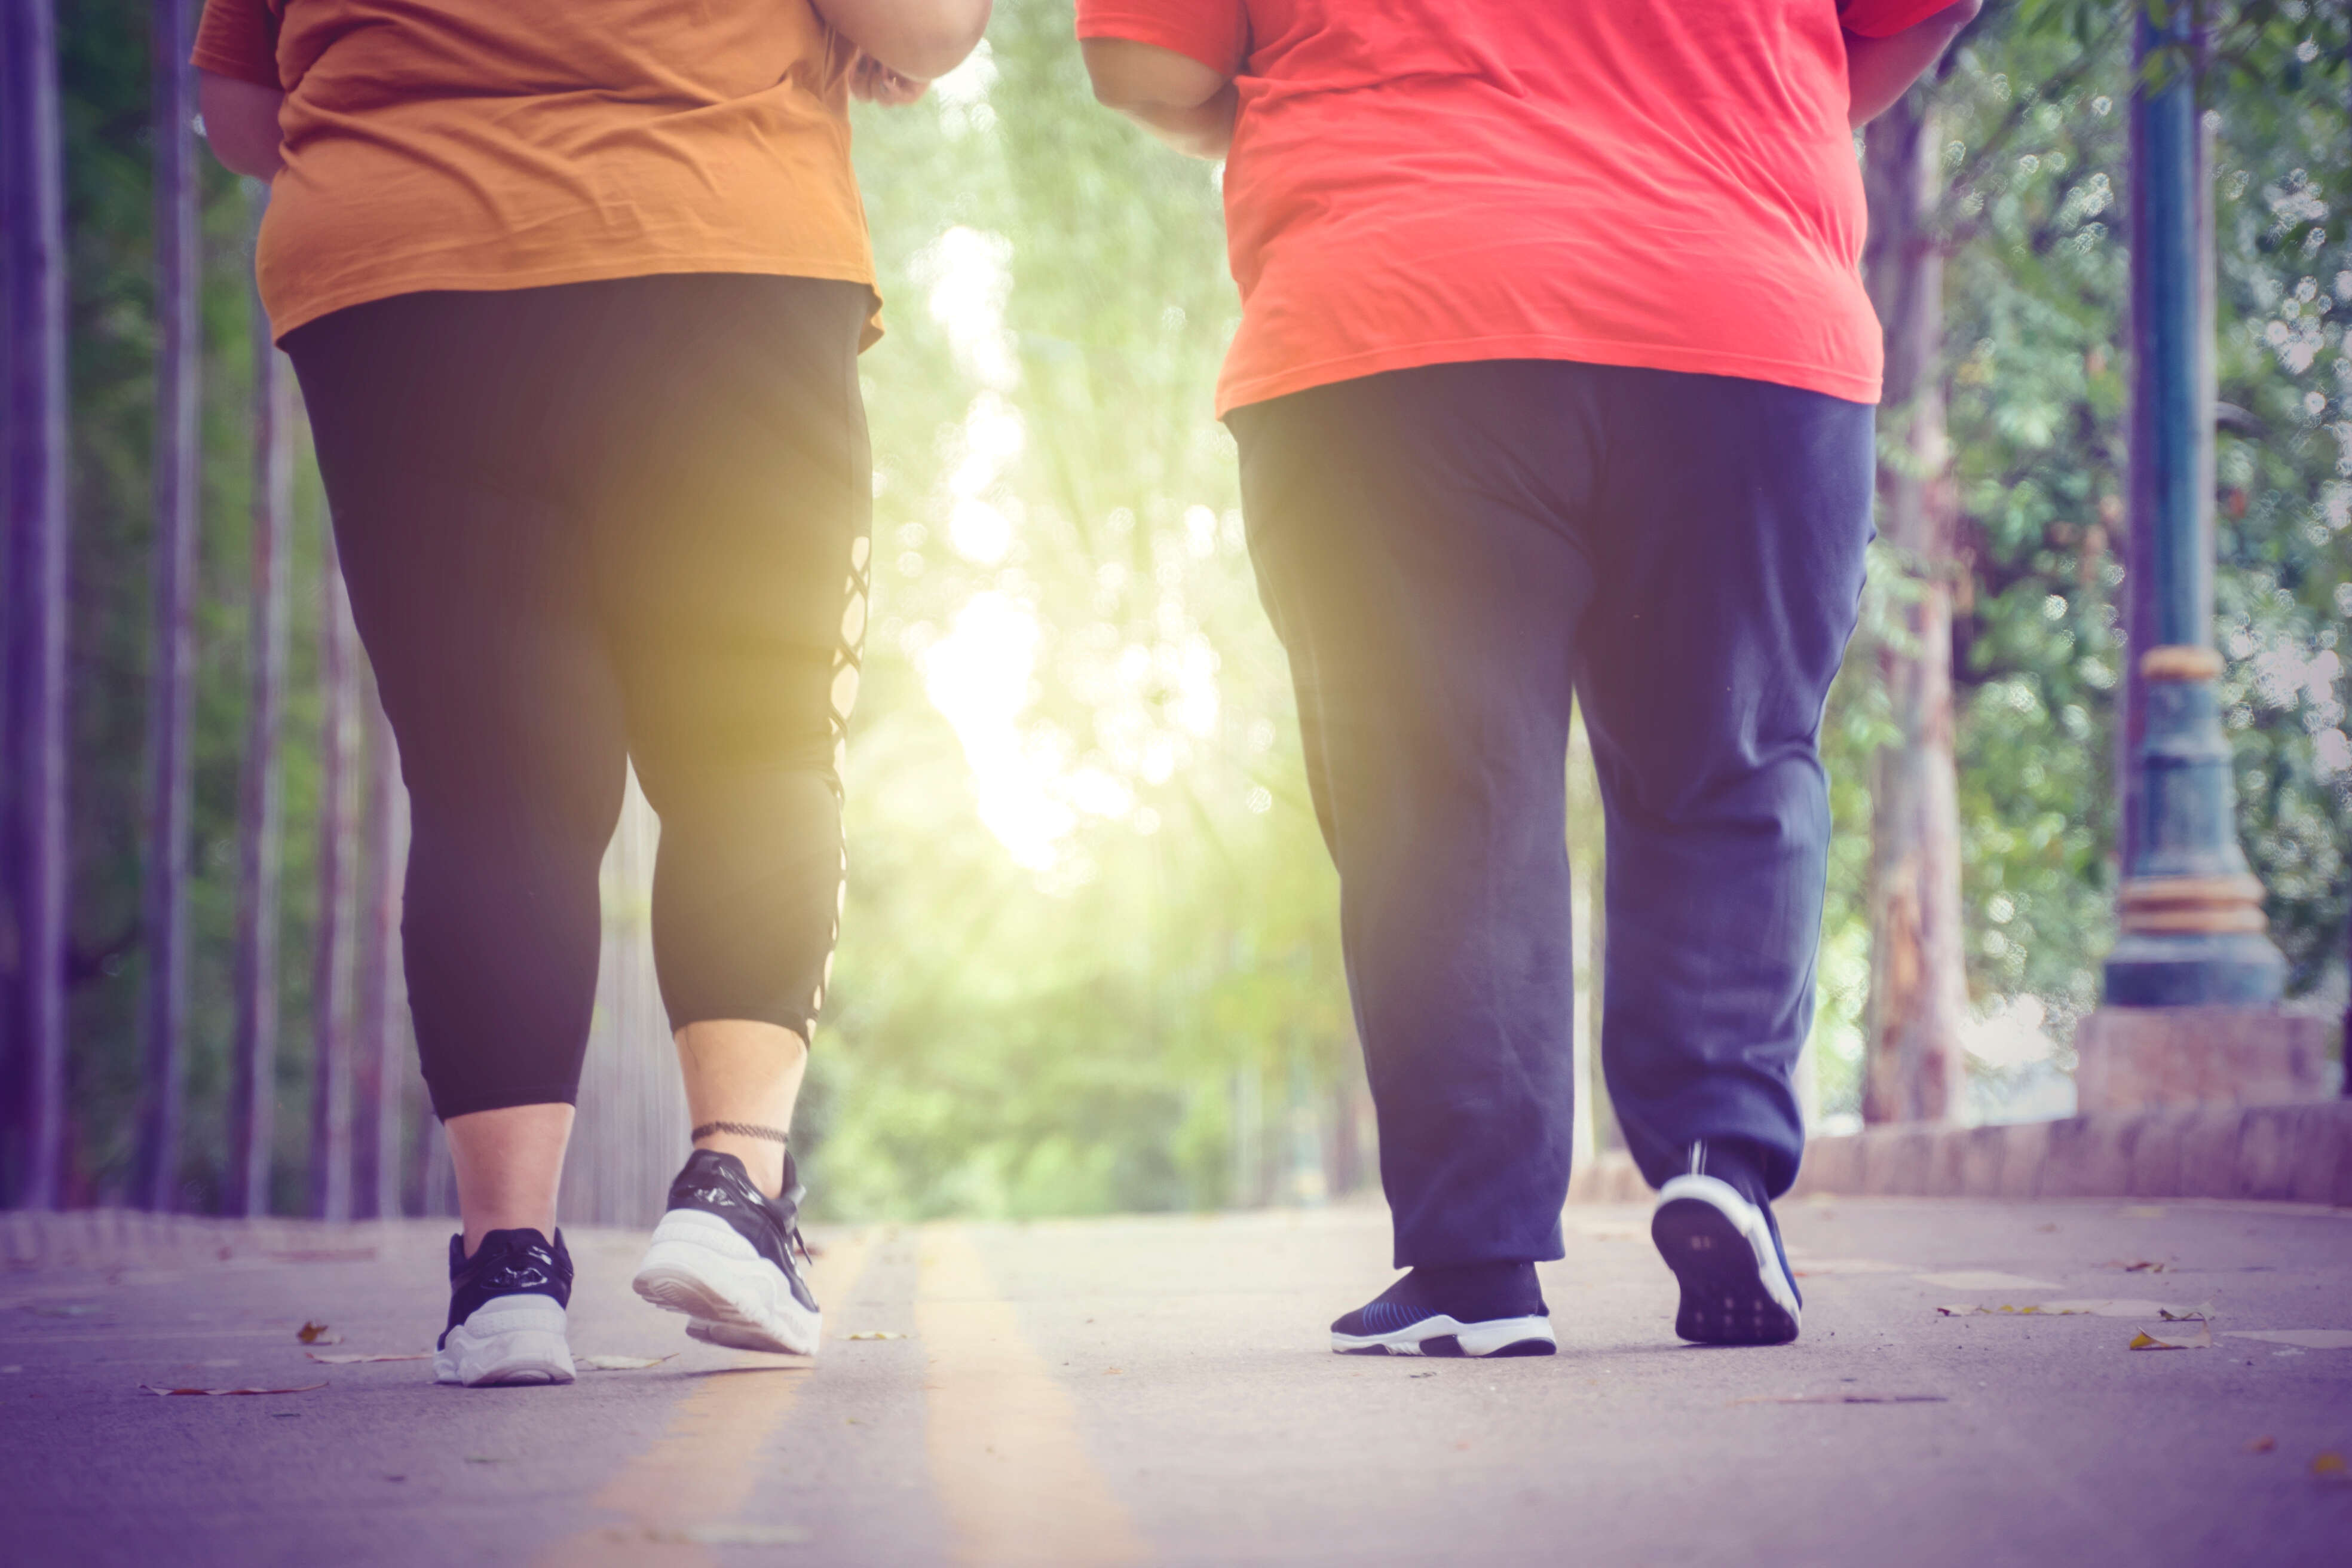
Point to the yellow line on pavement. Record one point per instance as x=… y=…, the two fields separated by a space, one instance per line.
x=687 y=1487
x=1007 y=1457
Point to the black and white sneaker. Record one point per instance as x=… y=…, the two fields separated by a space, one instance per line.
x=507 y=1307
x=1715 y=1228
x=1479 y=1309
x=731 y=1258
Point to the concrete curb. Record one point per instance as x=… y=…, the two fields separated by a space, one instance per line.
x=2291 y=1153
x=113 y=1239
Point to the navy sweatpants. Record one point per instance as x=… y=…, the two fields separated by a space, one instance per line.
x=1454 y=555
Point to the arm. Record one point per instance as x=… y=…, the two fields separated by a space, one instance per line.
x=240 y=122
x=1176 y=98
x=1880 y=70
x=919 y=39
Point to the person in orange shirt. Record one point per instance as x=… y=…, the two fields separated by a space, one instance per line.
x=575 y=290
x=1553 y=384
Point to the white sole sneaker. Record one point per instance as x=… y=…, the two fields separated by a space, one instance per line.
x=1444 y=1336
x=509 y=1340
x=699 y=1265
x=1735 y=1291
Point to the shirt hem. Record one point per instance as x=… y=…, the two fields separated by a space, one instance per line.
x=508 y=281
x=1845 y=385
x=1902 y=20
x=1134 y=30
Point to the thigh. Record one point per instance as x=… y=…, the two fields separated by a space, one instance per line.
x=732 y=513
x=1730 y=538
x=1417 y=538
x=439 y=420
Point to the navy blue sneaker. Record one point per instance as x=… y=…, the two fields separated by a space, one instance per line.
x=732 y=1259
x=507 y=1306
x=1476 y=1310
x=1715 y=1228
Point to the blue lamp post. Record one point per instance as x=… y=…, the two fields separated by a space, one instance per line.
x=2190 y=910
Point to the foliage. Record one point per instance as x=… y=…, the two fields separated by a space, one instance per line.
x=104 y=83
x=1089 y=957
x=1089 y=921
x=2038 y=298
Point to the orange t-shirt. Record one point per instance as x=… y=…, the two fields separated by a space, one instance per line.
x=1668 y=183
x=489 y=145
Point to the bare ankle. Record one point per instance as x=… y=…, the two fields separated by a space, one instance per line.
x=741 y=1081
x=477 y=1229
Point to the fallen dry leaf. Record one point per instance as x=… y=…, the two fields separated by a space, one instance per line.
x=1852 y=1397
x=2303 y=1339
x=2329 y=1464
x=311 y=1334
x=2263 y=1445
x=620 y=1362
x=877 y=1334
x=2173 y=1339
x=305 y=1388
x=2085 y=1307
x=356 y=1360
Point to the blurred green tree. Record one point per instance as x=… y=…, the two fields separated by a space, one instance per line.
x=1090 y=956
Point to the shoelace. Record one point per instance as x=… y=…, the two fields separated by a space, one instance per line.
x=758 y=1202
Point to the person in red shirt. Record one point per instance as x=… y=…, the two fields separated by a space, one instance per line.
x=1554 y=384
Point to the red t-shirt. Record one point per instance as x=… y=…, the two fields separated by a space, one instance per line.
x=1668 y=183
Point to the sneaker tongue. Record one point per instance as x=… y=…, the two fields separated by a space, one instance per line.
x=719 y=1163
x=521 y=1236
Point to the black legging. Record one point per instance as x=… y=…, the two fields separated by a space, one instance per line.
x=585 y=523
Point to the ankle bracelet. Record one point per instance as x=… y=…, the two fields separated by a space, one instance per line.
x=742 y=1129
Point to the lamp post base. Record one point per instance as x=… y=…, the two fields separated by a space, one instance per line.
x=2195 y=969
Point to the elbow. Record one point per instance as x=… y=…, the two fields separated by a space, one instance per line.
x=1111 y=93
x=240 y=124
x=943 y=42
x=242 y=158
x=1131 y=77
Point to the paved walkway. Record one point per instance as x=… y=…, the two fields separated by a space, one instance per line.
x=1156 y=1391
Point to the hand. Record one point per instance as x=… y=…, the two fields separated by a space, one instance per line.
x=875 y=82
